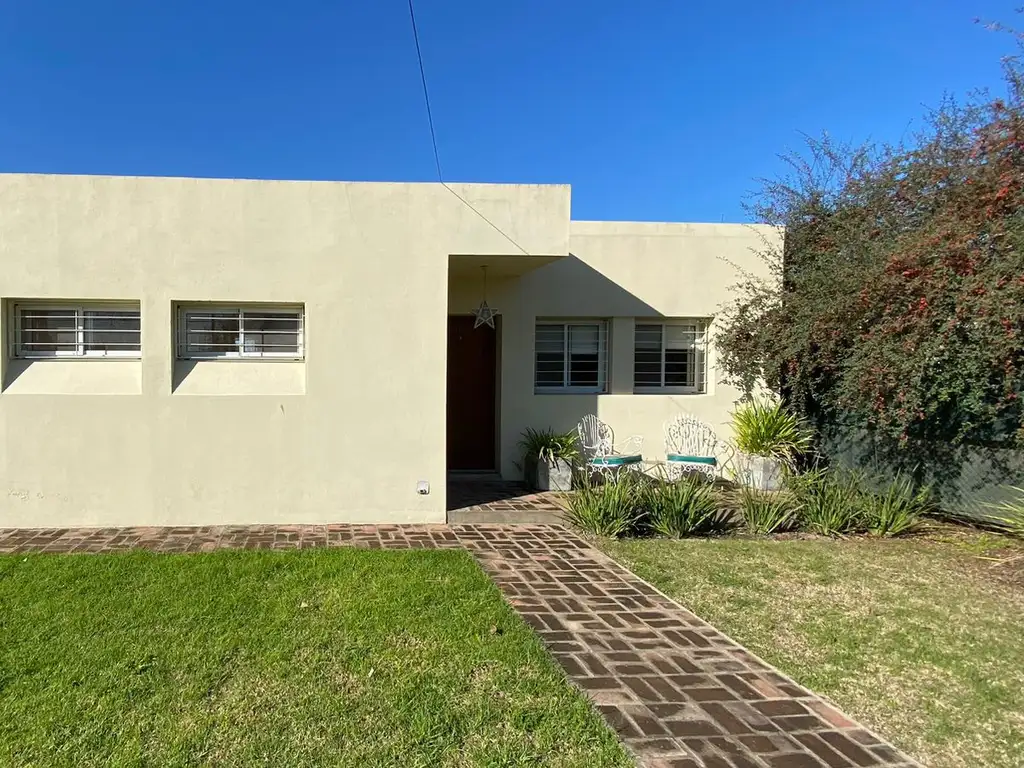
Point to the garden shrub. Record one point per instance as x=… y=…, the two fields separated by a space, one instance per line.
x=689 y=507
x=765 y=512
x=610 y=509
x=1010 y=514
x=897 y=508
x=894 y=306
x=548 y=445
x=831 y=501
x=763 y=427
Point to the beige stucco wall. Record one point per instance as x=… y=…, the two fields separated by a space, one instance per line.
x=618 y=271
x=344 y=436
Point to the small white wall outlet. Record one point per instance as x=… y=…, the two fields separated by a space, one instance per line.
x=422 y=487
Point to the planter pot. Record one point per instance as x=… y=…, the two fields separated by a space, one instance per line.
x=553 y=475
x=761 y=472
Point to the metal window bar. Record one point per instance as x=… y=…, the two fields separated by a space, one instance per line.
x=43 y=331
x=239 y=332
x=648 y=366
x=571 y=356
x=671 y=357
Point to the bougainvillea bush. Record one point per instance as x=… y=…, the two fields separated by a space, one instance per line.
x=896 y=304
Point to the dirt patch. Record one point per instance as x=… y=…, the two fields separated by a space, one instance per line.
x=984 y=553
x=1005 y=566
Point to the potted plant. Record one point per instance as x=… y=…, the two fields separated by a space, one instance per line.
x=548 y=459
x=768 y=438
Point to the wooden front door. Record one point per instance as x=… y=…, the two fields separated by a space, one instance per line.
x=472 y=377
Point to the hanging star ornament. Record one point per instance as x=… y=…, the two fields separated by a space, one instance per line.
x=484 y=315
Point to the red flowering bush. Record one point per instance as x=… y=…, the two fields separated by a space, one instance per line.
x=897 y=300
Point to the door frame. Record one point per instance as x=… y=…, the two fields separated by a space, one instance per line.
x=497 y=400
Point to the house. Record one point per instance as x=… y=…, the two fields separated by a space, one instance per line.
x=183 y=351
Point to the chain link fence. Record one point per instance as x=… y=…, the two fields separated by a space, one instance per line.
x=967 y=480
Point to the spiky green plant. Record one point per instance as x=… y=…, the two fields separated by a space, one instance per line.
x=763 y=427
x=610 y=509
x=766 y=512
x=831 y=501
x=1010 y=513
x=898 y=507
x=548 y=445
x=689 y=507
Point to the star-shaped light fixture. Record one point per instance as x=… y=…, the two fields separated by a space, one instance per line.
x=484 y=314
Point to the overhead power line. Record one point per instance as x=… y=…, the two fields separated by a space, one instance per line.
x=433 y=135
x=426 y=94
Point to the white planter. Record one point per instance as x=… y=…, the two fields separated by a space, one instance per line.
x=761 y=472
x=553 y=475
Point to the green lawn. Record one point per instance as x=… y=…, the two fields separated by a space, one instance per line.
x=917 y=638
x=316 y=657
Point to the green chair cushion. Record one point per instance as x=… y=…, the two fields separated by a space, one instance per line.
x=615 y=461
x=710 y=460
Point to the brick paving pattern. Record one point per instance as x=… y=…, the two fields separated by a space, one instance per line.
x=676 y=690
x=496 y=494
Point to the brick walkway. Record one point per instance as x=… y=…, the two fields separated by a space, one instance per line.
x=476 y=500
x=678 y=692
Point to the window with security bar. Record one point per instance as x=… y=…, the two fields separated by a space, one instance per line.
x=571 y=356
x=244 y=332
x=670 y=357
x=77 y=330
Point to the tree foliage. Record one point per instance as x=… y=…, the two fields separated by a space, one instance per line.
x=896 y=301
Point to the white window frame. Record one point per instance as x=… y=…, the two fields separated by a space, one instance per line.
x=186 y=351
x=18 y=341
x=602 y=358
x=702 y=353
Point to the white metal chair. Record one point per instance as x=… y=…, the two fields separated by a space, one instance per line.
x=692 y=445
x=601 y=454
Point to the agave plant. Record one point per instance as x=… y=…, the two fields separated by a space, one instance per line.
x=765 y=428
x=687 y=507
x=898 y=507
x=608 y=509
x=766 y=512
x=831 y=501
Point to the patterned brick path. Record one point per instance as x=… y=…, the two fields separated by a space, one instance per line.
x=677 y=691
x=476 y=500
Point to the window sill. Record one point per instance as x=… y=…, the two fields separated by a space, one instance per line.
x=569 y=391
x=91 y=356
x=239 y=359
x=666 y=391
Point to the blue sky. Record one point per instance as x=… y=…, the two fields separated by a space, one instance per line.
x=651 y=109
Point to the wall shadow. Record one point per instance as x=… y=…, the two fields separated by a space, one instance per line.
x=13 y=370
x=592 y=295
x=180 y=369
x=569 y=288
x=464 y=491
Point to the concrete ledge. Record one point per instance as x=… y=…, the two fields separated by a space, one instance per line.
x=73 y=377
x=238 y=377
